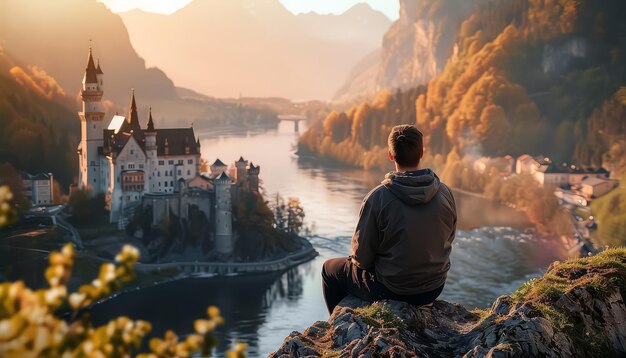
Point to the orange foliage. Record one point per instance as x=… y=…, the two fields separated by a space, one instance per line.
x=38 y=81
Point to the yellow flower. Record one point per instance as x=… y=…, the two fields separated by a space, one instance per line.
x=213 y=311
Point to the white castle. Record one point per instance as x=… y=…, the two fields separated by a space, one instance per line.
x=130 y=165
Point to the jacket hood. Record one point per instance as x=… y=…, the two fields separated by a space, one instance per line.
x=413 y=188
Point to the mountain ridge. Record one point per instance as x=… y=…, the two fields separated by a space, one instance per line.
x=300 y=57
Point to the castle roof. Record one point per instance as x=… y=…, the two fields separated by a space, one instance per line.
x=218 y=163
x=90 y=70
x=222 y=178
x=177 y=140
x=38 y=176
x=241 y=160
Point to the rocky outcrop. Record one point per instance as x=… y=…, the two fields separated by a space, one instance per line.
x=576 y=309
x=415 y=48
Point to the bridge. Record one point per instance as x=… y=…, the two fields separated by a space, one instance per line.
x=295 y=118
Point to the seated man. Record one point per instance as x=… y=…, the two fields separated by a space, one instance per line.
x=402 y=242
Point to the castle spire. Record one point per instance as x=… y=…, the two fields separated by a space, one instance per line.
x=150 y=122
x=90 y=70
x=133 y=117
x=98 y=69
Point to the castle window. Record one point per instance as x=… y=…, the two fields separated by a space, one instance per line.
x=140 y=166
x=189 y=161
x=165 y=184
x=132 y=151
x=131 y=166
x=170 y=162
x=159 y=173
x=159 y=184
x=171 y=183
x=179 y=173
x=94 y=125
x=161 y=162
x=188 y=172
x=180 y=162
x=122 y=166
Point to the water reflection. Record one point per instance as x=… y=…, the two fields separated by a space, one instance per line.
x=244 y=302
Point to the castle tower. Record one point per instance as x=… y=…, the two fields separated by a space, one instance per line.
x=198 y=162
x=242 y=173
x=151 y=152
x=253 y=177
x=224 y=242
x=91 y=121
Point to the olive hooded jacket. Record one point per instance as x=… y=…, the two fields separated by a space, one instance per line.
x=405 y=232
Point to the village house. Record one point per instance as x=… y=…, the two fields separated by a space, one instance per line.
x=38 y=188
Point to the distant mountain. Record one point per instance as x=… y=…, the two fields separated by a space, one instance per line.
x=256 y=47
x=54 y=35
x=414 y=49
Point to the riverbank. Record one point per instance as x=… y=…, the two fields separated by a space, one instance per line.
x=306 y=253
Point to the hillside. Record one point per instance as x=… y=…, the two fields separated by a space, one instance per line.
x=256 y=48
x=39 y=131
x=59 y=43
x=527 y=77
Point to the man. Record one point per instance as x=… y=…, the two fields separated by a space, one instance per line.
x=402 y=242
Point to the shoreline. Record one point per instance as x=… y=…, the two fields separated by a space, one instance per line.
x=232 y=269
x=306 y=254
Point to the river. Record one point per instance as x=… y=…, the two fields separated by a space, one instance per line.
x=494 y=251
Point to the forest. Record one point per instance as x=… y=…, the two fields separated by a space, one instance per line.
x=39 y=131
x=529 y=76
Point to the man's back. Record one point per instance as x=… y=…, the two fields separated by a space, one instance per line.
x=401 y=246
x=407 y=236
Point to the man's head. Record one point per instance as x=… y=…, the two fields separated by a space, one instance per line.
x=405 y=147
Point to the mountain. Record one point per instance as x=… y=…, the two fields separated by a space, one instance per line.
x=527 y=76
x=55 y=36
x=39 y=130
x=256 y=47
x=414 y=50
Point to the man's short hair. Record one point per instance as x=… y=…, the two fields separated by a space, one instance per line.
x=406 y=145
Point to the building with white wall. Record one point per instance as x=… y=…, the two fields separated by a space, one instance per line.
x=38 y=188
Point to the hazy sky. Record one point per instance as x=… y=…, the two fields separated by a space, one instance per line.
x=388 y=7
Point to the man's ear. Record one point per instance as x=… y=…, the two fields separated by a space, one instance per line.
x=390 y=156
x=421 y=153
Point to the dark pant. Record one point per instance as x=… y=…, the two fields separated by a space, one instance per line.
x=341 y=277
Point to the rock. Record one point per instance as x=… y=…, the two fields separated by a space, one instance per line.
x=564 y=326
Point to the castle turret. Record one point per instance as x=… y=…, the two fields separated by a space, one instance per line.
x=151 y=151
x=217 y=168
x=91 y=121
x=242 y=173
x=199 y=161
x=253 y=177
x=224 y=241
